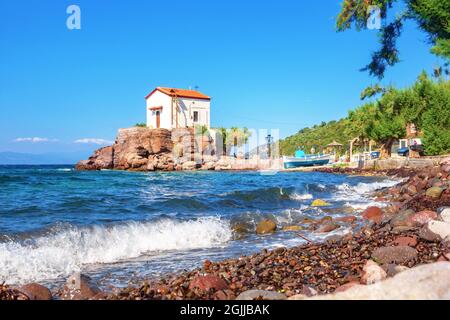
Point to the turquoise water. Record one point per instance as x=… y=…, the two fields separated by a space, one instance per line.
x=123 y=226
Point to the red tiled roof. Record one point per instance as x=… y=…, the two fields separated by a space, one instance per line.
x=181 y=93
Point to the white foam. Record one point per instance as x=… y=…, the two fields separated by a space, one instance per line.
x=300 y=197
x=64 y=169
x=66 y=251
x=359 y=196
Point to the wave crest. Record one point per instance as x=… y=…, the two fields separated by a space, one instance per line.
x=65 y=251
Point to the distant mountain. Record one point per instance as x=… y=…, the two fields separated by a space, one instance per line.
x=10 y=158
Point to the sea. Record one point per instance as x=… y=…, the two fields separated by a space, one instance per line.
x=122 y=227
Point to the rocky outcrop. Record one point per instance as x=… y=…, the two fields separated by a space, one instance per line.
x=144 y=149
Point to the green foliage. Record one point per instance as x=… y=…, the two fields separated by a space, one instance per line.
x=425 y=104
x=141 y=125
x=318 y=137
x=436 y=121
x=371 y=91
x=432 y=17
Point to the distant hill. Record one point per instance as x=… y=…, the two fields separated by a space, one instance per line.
x=318 y=136
x=10 y=158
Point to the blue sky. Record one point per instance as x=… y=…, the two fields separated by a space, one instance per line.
x=267 y=64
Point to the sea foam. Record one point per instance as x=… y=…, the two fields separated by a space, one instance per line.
x=66 y=250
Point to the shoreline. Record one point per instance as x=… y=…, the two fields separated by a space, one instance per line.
x=313 y=268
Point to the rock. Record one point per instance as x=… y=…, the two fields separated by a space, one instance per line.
x=347 y=286
x=422 y=217
x=298 y=297
x=208 y=282
x=211 y=165
x=189 y=165
x=424 y=282
x=328 y=227
x=435 y=231
x=224 y=295
x=292 y=228
x=444 y=215
x=393 y=269
x=35 y=291
x=101 y=159
x=347 y=219
x=372 y=273
x=374 y=214
x=405 y=241
x=266 y=226
x=402 y=219
x=397 y=255
x=260 y=295
x=320 y=203
x=434 y=192
x=79 y=287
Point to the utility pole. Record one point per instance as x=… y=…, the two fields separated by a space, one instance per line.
x=269 y=140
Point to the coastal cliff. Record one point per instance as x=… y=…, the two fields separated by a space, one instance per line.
x=143 y=149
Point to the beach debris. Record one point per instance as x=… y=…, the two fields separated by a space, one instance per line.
x=266 y=226
x=9 y=293
x=35 y=291
x=320 y=203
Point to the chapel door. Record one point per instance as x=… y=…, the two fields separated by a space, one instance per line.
x=158 y=119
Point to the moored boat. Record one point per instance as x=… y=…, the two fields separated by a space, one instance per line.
x=305 y=160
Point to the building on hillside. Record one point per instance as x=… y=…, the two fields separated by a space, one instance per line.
x=171 y=108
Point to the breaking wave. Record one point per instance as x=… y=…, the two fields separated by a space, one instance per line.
x=66 y=250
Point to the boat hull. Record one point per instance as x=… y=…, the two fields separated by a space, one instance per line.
x=289 y=163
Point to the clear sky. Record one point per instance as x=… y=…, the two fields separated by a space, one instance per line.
x=266 y=64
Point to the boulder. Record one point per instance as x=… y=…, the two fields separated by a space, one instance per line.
x=327 y=227
x=372 y=273
x=444 y=215
x=101 y=159
x=346 y=219
x=402 y=219
x=260 y=295
x=79 y=287
x=347 y=286
x=189 y=165
x=320 y=203
x=435 y=231
x=397 y=255
x=405 y=241
x=266 y=226
x=374 y=214
x=208 y=282
x=35 y=291
x=292 y=228
x=422 y=217
x=434 y=192
x=424 y=282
